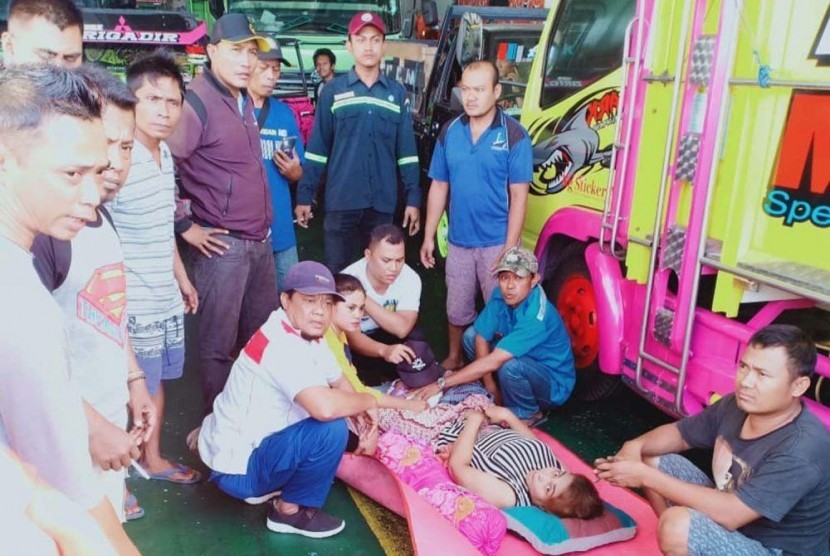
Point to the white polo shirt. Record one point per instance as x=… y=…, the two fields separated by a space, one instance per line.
x=258 y=398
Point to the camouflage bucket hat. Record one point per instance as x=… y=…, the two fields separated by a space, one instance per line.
x=519 y=261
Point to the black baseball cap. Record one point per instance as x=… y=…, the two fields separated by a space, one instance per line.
x=273 y=53
x=235 y=28
x=423 y=370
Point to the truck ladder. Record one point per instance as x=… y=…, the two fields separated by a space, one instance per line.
x=628 y=93
x=682 y=250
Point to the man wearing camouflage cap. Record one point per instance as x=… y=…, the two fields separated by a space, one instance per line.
x=520 y=338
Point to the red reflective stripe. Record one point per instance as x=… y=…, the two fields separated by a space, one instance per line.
x=256 y=346
x=290 y=329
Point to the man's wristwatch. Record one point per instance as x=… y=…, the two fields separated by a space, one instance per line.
x=441 y=383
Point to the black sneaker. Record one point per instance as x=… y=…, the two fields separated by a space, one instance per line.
x=308 y=522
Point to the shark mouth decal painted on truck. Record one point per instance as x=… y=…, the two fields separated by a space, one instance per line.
x=575 y=146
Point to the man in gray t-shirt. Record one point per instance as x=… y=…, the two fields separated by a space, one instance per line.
x=771 y=488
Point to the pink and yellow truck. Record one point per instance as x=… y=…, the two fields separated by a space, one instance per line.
x=681 y=195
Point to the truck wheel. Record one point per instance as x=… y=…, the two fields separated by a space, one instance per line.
x=568 y=286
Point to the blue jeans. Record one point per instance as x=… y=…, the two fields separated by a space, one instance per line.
x=284 y=260
x=300 y=460
x=346 y=235
x=525 y=385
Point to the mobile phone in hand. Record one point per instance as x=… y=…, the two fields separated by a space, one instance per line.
x=287 y=145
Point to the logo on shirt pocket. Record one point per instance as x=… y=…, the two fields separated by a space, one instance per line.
x=500 y=142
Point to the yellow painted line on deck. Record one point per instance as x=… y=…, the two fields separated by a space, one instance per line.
x=389 y=528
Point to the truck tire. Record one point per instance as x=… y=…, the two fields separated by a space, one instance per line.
x=567 y=283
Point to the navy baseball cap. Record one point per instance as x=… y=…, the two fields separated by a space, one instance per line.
x=273 y=53
x=310 y=278
x=235 y=28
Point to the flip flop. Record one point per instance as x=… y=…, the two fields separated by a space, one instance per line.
x=132 y=502
x=180 y=468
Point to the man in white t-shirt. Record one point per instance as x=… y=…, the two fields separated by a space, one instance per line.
x=53 y=153
x=278 y=425
x=393 y=298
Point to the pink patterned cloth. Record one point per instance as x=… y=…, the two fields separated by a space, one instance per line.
x=415 y=464
x=426 y=425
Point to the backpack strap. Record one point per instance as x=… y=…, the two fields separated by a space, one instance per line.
x=106 y=214
x=262 y=117
x=198 y=106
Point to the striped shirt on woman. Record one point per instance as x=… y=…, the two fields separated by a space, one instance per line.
x=505 y=454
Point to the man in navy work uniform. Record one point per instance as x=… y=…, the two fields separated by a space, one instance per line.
x=483 y=162
x=362 y=140
x=218 y=155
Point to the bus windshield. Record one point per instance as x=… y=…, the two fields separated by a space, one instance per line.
x=313 y=16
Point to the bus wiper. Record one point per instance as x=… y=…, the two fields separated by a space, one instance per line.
x=298 y=21
x=337 y=28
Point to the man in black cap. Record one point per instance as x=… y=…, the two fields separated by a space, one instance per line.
x=363 y=143
x=282 y=153
x=219 y=159
x=279 y=426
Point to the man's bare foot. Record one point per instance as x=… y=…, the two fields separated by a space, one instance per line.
x=193 y=440
x=452 y=363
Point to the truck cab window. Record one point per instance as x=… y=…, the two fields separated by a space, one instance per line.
x=585 y=45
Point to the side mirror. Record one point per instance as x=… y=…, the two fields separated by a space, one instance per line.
x=456 y=104
x=430 y=11
x=470 y=41
x=216 y=7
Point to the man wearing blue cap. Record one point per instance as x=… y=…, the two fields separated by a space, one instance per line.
x=279 y=427
x=218 y=156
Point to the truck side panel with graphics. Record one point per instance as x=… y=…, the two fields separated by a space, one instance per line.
x=681 y=196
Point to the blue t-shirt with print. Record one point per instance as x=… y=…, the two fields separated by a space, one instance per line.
x=280 y=123
x=479 y=175
x=534 y=330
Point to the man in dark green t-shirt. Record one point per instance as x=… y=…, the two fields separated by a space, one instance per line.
x=771 y=488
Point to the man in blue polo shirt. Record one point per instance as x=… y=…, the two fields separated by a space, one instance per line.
x=362 y=141
x=483 y=161
x=521 y=339
x=282 y=153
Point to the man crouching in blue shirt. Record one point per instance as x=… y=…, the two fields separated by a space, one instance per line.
x=521 y=339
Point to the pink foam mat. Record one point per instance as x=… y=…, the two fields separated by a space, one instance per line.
x=432 y=534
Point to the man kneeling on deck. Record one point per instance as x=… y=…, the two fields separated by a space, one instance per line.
x=279 y=424
x=520 y=339
x=771 y=489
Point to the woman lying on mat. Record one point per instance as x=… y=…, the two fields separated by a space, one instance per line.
x=505 y=464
